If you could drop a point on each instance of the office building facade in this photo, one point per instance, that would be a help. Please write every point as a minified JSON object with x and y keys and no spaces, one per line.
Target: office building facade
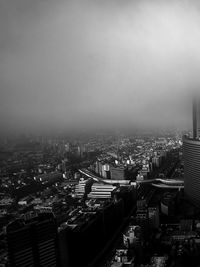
{"x":191,"y":152}
{"x":196,"y":118}
{"x":32,"y":241}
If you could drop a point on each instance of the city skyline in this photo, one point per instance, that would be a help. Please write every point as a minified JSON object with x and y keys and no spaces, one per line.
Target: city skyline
{"x":92,"y":65}
{"x":100,"y":133}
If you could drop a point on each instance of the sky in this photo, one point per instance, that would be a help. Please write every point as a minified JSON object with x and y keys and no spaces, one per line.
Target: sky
{"x":97,"y":64}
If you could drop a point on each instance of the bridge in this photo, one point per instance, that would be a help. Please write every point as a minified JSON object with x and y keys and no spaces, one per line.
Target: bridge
{"x":102,"y":180}
{"x":156,"y":182}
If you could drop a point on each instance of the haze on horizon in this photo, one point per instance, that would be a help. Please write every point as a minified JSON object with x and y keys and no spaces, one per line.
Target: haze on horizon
{"x":91,"y":64}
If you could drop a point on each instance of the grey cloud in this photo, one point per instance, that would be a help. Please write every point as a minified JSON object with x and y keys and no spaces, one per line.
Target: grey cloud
{"x":97,"y":63}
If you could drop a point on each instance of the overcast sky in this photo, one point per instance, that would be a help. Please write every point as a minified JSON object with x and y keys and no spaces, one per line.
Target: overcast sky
{"x":97,"y":63}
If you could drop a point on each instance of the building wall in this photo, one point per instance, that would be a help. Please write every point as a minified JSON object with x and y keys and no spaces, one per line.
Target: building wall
{"x":191,"y":152}
{"x":117,"y":173}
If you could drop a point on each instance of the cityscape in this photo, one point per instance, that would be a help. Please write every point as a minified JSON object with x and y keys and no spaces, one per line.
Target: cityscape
{"x":100,"y":133}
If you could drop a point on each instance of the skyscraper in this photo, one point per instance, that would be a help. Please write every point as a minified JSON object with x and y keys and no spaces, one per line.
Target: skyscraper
{"x":191,"y":152}
{"x":32,"y":241}
{"x":196,"y":119}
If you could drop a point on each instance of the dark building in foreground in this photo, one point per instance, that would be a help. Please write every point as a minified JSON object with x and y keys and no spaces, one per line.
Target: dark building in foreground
{"x":32,"y":241}
{"x":191,"y":152}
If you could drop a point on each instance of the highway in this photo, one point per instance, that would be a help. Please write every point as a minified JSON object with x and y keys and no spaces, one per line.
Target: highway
{"x":164,"y":183}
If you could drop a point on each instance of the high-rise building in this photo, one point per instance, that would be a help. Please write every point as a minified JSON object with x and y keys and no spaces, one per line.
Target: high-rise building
{"x":142,"y":218}
{"x":196,"y":119}
{"x":191,"y":152}
{"x":32,"y":241}
{"x":132,"y":236}
{"x":153,"y":215}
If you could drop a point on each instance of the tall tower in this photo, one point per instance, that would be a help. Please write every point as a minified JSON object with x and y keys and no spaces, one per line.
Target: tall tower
{"x":196,"y":119}
{"x":32,"y":241}
{"x":191,"y":153}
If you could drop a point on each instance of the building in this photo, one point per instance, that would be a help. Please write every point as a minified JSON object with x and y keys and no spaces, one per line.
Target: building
{"x":156,"y":161}
{"x":168,"y":203}
{"x":122,"y":258}
{"x":145,"y":170}
{"x":117,"y":173}
{"x":83,"y":187}
{"x":103,"y":191}
{"x":196,"y":119}
{"x":159,"y":261}
{"x":32,"y":240}
{"x":106,"y":171}
{"x":132,"y":236}
{"x":140,"y":177}
{"x":154,"y":219}
{"x":48,"y":177}
{"x":142,"y":218}
{"x":191,"y":154}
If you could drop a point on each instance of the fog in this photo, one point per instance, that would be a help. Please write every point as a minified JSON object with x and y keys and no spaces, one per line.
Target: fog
{"x":97,"y":64}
